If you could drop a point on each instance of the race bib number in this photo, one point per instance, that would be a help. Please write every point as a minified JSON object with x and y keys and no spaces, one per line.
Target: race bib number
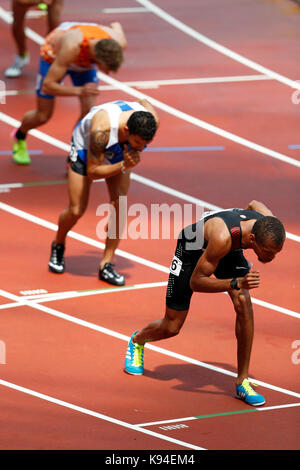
{"x":176,"y":266}
{"x":73,"y":153}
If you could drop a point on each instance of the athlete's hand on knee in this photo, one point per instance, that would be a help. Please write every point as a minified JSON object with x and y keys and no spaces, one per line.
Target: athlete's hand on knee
{"x":250,"y":281}
{"x":89,"y":89}
{"x":131,"y":157}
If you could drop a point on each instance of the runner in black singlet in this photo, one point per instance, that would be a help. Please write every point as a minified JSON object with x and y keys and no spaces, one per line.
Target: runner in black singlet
{"x":190,"y":247}
{"x":209,"y":258}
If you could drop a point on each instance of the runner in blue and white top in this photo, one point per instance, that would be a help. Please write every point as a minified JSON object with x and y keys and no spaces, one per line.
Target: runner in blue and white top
{"x":106,"y":143}
{"x":113,"y":152}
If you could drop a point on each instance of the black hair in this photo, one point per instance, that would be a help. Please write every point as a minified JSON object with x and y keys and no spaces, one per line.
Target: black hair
{"x":269,"y":228}
{"x":143,"y":124}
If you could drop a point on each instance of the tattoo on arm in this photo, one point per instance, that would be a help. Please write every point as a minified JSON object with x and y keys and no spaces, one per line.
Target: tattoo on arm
{"x":98,"y":143}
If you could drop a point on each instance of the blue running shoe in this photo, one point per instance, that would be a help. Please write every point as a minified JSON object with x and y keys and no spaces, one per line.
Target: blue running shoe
{"x":246,"y":393}
{"x":134,"y":361}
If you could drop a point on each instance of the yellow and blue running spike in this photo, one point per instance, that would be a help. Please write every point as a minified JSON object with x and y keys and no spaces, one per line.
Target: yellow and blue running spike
{"x":246,"y":393}
{"x":134,"y":361}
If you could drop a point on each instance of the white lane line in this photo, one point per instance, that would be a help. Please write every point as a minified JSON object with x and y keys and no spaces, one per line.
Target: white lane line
{"x":125,"y":10}
{"x":185,"y":197}
{"x":124,"y":254}
{"x":216,"y":46}
{"x":191,"y":418}
{"x":10,"y":305}
{"x":179,"y":114}
{"x":268,"y":408}
{"x":136,"y":177}
{"x":16,"y":92}
{"x":79,"y":237}
{"x":94,"y":11}
{"x":74,"y":294}
{"x":202,"y":124}
{"x":141,"y":179}
{"x":167,"y":421}
{"x":190,"y":81}
{"x":150,"y":84}
{"x":95,"y":414}
{"x":180,"y":357}
{"x":38,"y":134}
{"x":270,"y":306}
{"x":8,"y":186}
{"x":37,"y":298}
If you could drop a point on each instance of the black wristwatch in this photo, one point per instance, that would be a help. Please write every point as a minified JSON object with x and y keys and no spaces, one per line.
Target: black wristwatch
{"x":234,"y":284}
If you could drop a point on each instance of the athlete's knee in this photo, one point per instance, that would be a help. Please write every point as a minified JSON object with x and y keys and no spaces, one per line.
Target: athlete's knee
{"x":172,"y":328}
{"x":76,"y":211}
{"x":44,"y":115}
{"x":116,"y":200}
{"x":242,"y":303}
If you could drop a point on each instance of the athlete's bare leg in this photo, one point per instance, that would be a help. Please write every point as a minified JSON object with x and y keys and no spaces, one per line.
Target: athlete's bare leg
{"x":117,"y":186}
{"x":79,"y":190}
{"x":244,"y":331}
{"x":38,"y":116}
{"x":168,"y":326}
{"x":19,"y":12}
{"x":54,"y":11}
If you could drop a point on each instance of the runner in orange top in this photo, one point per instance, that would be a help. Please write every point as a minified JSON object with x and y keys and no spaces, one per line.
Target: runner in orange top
{"x":76,"y":49}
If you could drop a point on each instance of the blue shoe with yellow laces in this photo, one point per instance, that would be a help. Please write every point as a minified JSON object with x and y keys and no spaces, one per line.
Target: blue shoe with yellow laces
{"x":246,"y":393}
{"x":134,"y":361}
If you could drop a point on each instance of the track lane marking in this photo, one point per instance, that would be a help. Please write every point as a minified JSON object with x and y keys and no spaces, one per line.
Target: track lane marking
{"x":148,"y":84}
{"x":166,"y":352}
{"x":2,"y":381}
{"x":216,"y":46}
{"x":134,"y":176}
{"x":63,"y":295}
{"x":96,"y":414}
{"x":124,"y":254}
{"x":200,"y":123}
{"x":51,"y":140}
{"x":215,"y":415}
{"x":173,"y":111}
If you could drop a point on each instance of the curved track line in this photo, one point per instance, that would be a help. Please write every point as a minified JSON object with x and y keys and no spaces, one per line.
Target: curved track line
{"x":216,"y":46}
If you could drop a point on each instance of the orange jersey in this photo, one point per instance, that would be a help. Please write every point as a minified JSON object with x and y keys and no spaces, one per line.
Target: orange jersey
{"x":89,"y":31}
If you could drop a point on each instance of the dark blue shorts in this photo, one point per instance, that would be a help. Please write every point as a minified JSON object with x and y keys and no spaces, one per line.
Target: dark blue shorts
{"x":77,"y":159}
{"x":78,"y":78}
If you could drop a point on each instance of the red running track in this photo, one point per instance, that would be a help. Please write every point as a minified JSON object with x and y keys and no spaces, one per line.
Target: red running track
{"x":71,"y":351}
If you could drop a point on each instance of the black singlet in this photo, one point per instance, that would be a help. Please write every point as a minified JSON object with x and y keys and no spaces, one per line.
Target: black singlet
{"x":190,"y":247}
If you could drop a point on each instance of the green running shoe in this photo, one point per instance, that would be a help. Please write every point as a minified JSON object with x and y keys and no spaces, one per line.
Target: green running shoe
{"x":20,"y":154}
